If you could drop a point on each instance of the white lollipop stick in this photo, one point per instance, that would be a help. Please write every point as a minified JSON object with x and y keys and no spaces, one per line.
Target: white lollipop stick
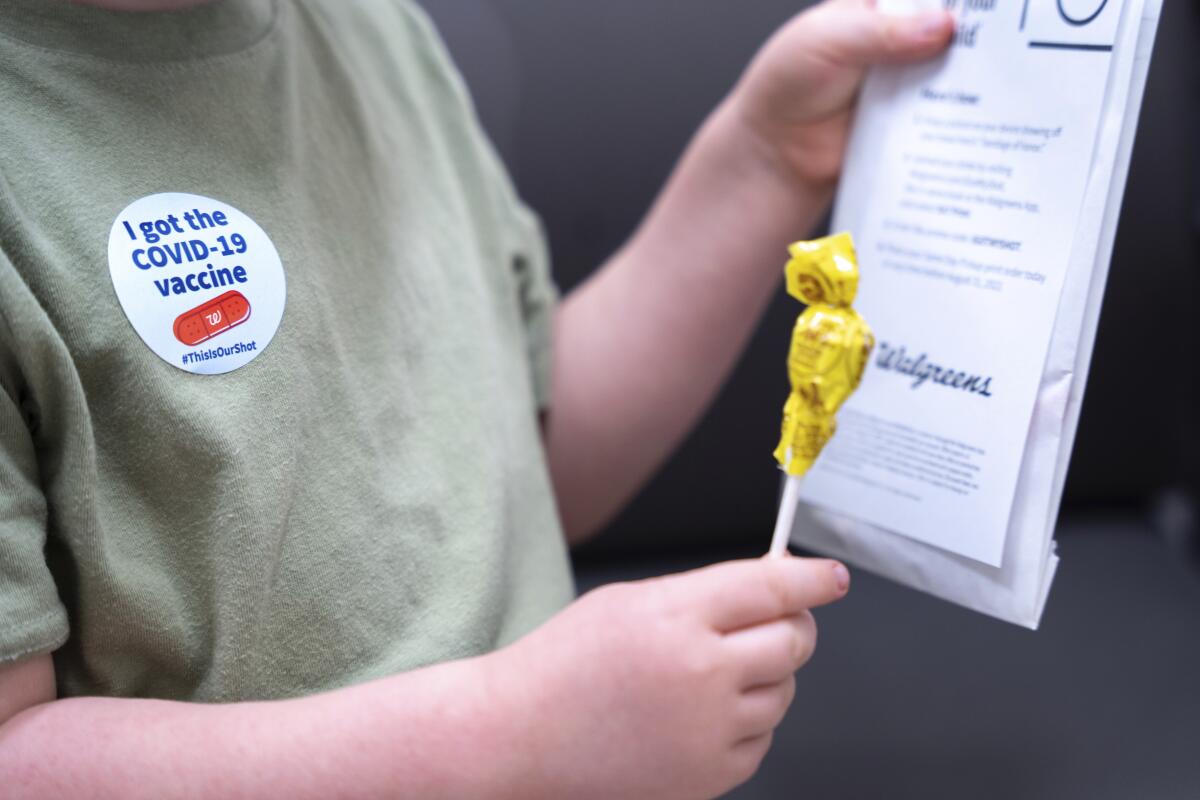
{"x":787,"y":516}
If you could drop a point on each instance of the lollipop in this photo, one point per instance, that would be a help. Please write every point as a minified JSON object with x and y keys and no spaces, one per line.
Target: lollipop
{"x":830,"y":347}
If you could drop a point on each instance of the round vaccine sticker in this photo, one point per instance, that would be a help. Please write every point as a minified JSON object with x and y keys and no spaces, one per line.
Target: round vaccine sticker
{"x":200,"y":281}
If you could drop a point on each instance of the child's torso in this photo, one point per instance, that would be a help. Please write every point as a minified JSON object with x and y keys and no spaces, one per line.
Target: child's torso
{"x":367,"y":494}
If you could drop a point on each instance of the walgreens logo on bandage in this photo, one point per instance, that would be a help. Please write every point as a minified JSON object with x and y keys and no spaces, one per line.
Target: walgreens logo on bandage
{"x":188,"y":269}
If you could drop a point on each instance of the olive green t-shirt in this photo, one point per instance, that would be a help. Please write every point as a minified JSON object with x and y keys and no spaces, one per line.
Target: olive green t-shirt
{"x":369,"y":493}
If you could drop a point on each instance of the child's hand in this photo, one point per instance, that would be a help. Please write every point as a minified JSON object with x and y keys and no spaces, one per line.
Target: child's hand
{"x":797,"y":97}
{"x":668,"y":688}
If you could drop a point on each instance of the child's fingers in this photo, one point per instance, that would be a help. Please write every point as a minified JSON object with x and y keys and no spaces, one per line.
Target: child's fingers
{"x":855,"y":34}
{"x":761,"y":710}
{"x":749,"y":753}
{"x":740,"y":594}
{"x":768,"y":654}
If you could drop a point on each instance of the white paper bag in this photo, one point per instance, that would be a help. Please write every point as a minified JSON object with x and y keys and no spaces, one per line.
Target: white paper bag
{"x":1014,"y":587}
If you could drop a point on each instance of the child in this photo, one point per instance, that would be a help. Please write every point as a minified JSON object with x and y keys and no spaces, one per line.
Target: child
{"x":284,"y":441}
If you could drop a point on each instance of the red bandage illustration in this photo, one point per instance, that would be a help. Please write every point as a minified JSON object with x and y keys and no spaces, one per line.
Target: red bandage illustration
{"x":214,"y":317}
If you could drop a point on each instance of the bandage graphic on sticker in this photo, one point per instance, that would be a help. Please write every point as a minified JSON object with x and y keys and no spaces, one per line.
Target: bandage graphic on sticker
{"x":212,"y":318}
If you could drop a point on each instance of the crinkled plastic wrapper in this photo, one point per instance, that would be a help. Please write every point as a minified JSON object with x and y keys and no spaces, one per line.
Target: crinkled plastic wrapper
{"x":830,"y":347}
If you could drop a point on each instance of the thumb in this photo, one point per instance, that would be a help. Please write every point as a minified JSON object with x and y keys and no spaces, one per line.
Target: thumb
{"x":740,"y":594}
{"x":855,"y":34}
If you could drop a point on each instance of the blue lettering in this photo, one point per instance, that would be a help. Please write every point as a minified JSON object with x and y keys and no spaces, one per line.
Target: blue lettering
{"x":148,"y":233}
{"x":921,"y":370}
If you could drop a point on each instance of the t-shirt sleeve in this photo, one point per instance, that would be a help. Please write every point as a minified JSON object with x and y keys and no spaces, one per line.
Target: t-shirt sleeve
{"x":528,"y":252}
{"x":538,"y":297}
{"x":32,"y":618}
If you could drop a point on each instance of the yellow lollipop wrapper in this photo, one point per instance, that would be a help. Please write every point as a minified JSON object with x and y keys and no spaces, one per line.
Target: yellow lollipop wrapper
{"x":831,"y":345}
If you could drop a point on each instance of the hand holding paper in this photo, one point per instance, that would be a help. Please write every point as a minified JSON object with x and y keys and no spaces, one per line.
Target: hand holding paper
{"x":798,"y":96}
